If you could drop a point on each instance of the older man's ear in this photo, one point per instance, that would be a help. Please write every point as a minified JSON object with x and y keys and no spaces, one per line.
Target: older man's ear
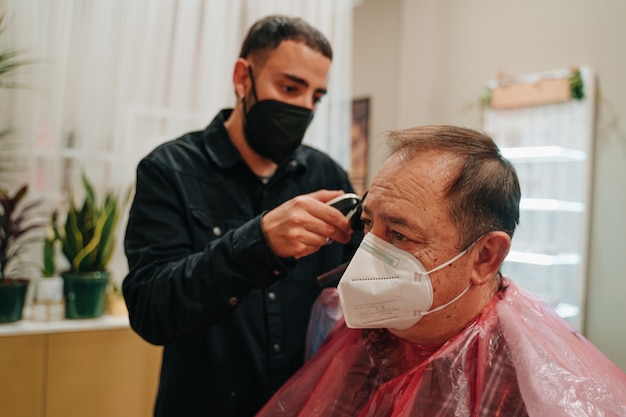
{"x":490,"y":252}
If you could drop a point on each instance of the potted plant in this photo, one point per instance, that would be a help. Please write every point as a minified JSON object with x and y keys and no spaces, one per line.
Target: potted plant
{"x":87,"y":240}
{"x":49,"y":285}
{"x":16,"y":221}
{"x":16,"y":224}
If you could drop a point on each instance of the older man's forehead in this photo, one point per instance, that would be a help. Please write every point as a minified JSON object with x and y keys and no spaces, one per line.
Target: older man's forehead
{"x":388,"y":205}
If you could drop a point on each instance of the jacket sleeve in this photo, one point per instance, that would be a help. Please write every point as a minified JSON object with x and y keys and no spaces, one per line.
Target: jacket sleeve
{"x":173,"y":291}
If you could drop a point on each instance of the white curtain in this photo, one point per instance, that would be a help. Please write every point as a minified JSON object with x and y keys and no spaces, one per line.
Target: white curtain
{"x":111,"y":79}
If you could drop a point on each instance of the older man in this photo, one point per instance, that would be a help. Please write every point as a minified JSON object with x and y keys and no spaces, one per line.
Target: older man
{"x":433,"y":329}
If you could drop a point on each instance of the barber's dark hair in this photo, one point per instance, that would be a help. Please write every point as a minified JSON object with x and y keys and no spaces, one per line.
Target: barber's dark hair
{"x":485,"y":194}
{"x":266,"y":34}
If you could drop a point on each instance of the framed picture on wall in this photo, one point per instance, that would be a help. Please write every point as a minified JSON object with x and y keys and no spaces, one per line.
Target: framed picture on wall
{"x":360,"y":136}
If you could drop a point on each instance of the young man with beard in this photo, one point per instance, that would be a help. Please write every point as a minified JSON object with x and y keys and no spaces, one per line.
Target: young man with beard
{"x":229,"y":229}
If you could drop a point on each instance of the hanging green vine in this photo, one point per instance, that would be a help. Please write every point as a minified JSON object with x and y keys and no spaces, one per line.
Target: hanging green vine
{"x":576,"y":85}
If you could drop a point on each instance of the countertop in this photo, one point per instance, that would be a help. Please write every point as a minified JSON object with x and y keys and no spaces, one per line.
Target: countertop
{"x":27,"y":326}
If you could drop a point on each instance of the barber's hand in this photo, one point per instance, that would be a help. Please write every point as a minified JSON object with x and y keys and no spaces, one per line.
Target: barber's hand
{"x":305,"y":223}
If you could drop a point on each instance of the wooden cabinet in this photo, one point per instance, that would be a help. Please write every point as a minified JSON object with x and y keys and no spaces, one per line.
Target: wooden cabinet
{"x":22,"y":372}
{"x":100,"y":373}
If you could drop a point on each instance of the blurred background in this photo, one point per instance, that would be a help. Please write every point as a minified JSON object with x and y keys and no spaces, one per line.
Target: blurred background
{"x":107,"y":81}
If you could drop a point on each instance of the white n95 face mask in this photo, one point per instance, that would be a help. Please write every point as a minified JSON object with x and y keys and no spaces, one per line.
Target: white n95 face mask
{"x":386,"y":287}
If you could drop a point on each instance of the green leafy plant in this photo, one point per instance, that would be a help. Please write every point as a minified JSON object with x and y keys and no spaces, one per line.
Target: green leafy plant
{"x":576,"y":85}
{"x":18,"y":220}
{"x":48,"y":266}
{"x":10,"y":61}
{"x":88,"y":234}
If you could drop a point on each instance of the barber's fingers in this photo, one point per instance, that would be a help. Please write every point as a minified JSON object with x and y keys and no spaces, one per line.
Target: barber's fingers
{"x":303,"y":224}
{"x":311,"y":212}
{"x":297,"y":243}
{"x":297,"y":234}
{"x":329,"y":215}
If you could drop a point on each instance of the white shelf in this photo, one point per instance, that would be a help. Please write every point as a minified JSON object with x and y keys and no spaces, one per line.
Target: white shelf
{"x":549,"y":204}
{"x":542,"y":153}
{"x":567,"y":310}
{"x":543,"y":259}
{"x":25,"y":327}
{"x":551,"y":146}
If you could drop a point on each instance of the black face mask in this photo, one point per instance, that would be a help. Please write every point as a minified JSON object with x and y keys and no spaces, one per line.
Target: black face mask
{"x":275,"y":129}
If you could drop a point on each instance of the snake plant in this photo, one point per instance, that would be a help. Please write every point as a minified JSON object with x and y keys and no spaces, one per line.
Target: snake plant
{"x":88,"y":235}
{"x":48,"y":266}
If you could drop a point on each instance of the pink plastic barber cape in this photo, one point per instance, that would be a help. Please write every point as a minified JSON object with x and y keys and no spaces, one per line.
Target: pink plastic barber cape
{"x":518,"y":358}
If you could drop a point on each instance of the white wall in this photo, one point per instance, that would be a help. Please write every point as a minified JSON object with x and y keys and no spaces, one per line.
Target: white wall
{"x":375,"y":69}
{"x":427,"y":61}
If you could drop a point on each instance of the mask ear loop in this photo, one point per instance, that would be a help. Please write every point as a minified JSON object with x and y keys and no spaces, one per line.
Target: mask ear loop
{"x":256,"y":99}
{"x":441,"y":307}
{"x":443,"y":265}
{"x":243,"y":98}
{"x":463,"y":252}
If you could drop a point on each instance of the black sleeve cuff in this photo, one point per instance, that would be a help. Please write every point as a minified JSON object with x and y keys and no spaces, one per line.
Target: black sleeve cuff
{"x":262,"y":266}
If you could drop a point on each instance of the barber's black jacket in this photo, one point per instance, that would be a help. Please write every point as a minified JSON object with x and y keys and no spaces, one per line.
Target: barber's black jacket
{"x":203,"y":281}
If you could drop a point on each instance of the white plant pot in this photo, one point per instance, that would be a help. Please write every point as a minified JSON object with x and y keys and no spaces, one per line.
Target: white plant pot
{"x":49,"y":289}
{"x":48,"y":305}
